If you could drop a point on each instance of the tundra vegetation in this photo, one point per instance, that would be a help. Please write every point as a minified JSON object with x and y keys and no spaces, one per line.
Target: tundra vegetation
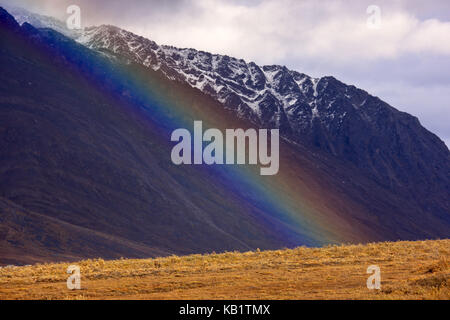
{"x":409,"y":270}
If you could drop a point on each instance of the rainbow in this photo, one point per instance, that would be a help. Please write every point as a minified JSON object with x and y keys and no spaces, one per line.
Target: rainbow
{"x":287,"y":196}
{"x":294,"y":201}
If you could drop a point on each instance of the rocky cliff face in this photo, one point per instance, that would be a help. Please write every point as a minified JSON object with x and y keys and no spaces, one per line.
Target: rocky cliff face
{"x":388,"y":145}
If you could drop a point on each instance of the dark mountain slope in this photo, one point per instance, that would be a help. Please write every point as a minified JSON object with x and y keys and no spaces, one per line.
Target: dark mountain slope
{"x":78,"y":156}
{"x":389,"y":146}
{"x":86,"y":173}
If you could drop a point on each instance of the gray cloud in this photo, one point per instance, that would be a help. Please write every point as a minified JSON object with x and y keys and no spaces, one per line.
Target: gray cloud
{"x":404,"y":62}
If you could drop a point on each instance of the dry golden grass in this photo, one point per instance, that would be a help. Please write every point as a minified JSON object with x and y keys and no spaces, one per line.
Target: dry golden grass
{"x":409,"y":270}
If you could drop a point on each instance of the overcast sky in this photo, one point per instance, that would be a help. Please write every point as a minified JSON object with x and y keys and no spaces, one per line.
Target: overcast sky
{"x":405,"y":60}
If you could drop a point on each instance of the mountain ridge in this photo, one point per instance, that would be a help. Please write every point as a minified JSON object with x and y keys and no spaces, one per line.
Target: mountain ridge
{"x":322,"y":112}
{"x":70,"y":152}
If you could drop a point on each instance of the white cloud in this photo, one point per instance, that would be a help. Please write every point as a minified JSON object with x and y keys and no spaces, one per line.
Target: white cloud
{"x":334,"y":30}
{"x":431,"y":36}
{"x":274,"y":30}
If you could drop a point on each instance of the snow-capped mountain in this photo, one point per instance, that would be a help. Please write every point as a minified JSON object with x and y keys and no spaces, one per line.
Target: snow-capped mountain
{"x":322,"y":112}
{"x":268,"y":95}
{"x":271,"y":96}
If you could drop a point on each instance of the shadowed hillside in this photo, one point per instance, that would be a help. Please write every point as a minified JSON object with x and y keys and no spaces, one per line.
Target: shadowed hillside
{"x":86,"y":172}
